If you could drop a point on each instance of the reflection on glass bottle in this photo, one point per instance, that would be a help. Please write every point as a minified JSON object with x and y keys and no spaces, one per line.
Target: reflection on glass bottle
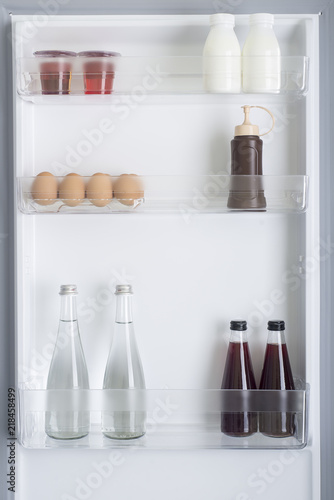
{"x":66,"y":419}
{"x":277,"y":375}
{"x":124,"y":371}
{"x":238,"y":374}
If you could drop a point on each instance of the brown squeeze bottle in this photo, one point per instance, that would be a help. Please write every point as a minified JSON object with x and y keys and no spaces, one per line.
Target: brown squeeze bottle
{"x":277,"y":375}
{"x":238,"y":374}
{"x":246,"y":188}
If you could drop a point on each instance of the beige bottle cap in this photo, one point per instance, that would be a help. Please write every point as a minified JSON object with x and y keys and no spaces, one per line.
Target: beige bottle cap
{"x":247,"y":128}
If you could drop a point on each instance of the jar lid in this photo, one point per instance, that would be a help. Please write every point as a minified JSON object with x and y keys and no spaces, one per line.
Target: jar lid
{"x":222,"y":19}
{"x":54,"y":53}
{"x":98,"y":53}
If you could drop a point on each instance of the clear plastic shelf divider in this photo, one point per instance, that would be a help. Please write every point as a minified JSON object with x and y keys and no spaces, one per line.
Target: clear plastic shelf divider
{"x":176,"y":418}
{"x":157,"y":75}
{"x":181,"y":194}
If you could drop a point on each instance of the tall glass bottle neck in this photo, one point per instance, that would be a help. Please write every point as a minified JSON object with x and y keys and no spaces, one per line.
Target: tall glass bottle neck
{"x":68,"y":308}
{"x":238,"y":336}
{"x":276,"y":337}
{"x":124,"y":308}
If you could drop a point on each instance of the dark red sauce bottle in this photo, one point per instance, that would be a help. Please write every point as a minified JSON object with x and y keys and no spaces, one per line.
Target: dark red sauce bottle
{"x":277,"y":375}
{"x":238,"y":374}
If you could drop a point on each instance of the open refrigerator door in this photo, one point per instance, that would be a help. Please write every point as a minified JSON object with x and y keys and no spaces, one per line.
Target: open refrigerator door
{"x":162,"y":221}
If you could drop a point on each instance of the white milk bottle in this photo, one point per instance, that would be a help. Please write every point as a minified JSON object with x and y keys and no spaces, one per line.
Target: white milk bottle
{"x":261,"y":56}
{"x":222,"y":56}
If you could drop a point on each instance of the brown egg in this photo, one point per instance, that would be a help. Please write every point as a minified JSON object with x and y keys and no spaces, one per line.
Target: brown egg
{"x":72,"y":190}
{"x":128,"y":188}
{"x":45,"y":188}
{"x":99,"y":189}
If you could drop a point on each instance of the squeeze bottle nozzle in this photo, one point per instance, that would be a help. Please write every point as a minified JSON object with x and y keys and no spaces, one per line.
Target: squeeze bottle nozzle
{"x":247,"y":128}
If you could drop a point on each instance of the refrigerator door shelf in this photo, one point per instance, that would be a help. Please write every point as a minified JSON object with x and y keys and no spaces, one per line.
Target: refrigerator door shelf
{"x":175,"y":419}
{"x":177,"y":194}
{"x":150,"y":75}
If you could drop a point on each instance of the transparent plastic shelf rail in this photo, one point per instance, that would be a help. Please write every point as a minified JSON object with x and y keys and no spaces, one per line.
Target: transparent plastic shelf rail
{"x":144,"y":75}
{"x":182,"y":194}
{"x":174,"y":418}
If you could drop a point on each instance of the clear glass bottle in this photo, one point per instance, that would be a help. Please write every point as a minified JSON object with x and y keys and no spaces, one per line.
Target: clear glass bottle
{"x":277,"y":375}
{"x":68,"y":370}
{"x":238,"y":374}
{"x":124,"y":371}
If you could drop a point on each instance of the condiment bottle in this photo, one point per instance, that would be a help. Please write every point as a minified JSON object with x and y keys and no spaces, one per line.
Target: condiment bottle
{"x":246,"y":188}
{"x":261,"y":61}
{"x":277,"y":375}
{"x":238,"y":374}
{"x":222,"y":56}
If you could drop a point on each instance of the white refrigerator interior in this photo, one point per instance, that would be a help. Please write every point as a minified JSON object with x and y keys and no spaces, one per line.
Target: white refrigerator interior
{"x":193,"y":265}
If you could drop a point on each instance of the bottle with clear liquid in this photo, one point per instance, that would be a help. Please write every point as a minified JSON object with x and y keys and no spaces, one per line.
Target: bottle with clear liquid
{"x":68,"y":370}
{"x":238,"y":374}
{"x":277,"y":375}
{"x":124,"y":371}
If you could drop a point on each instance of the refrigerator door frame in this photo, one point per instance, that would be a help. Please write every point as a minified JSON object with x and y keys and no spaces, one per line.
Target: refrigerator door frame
{"x":7,"y":357}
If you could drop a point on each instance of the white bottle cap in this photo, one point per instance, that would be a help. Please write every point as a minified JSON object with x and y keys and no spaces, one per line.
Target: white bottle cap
{"x":261,"y":18}
{"x":222,"y":19}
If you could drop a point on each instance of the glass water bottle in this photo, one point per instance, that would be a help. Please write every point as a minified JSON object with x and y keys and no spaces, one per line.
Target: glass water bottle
{"x":277,"y":375}
{"x":238,"y":374}
{"x":66,"y":419}
{"x":124,"y":371}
